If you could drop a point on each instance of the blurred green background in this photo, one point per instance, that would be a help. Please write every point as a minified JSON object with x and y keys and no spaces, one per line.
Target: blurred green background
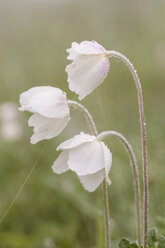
{"x":55,"y":211}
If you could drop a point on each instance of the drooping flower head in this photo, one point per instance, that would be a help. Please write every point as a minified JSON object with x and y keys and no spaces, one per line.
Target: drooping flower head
{"x":88,"y":157}
{"x":50,"y":111}
{"x":89,"y":67}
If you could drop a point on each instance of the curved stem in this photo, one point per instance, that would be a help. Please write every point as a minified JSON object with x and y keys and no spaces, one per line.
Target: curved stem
{"x":105,"y":190}
{"x":87,"y":115}
{"x":135,"y":177}
{"x":143,"y":140}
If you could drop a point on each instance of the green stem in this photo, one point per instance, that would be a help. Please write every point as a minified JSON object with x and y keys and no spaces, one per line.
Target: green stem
{"x":106,"y":215}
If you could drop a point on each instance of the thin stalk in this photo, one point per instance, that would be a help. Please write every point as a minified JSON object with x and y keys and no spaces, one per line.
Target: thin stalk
{"x":106,"y":215}
{"x":105,"y":190}
{"x":135,"y":177}
{"x":143,"y":141}
{"x":87,"y":115}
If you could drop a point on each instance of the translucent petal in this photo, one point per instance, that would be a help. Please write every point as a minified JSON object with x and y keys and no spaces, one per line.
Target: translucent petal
{"x":60,"y":165}
{"x":86,"y":73}
{"x":46,"y":128}
{"x":72,"y":52}
{"x":107,"y":158}
{"x":86,"y":48}
{"x":87,"y":158}
{"x":92,"y":181}
{"x":51,"y":104}
{"x":77,"y":140}
{"x":27,"y":95}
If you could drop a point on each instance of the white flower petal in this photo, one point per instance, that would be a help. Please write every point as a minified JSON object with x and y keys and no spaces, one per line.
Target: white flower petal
{"x":89,"y":67}
{"x":75,"y":141}
{"x":72,"y":52}
{"x":86,"y":73}
{"x":87,"y":158}
{"x":107,"y":158}
{"x":46,"y":128}
{"x":85,"y":47}
{"x":51,"y":104}
{"x":60,"y":165}
{"x":27,"y":95}
{"x":92,"y":181}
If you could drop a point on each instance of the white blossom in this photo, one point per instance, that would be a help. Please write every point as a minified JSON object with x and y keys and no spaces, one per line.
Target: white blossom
{"x":50,"y":111}
{"x":89,"y":67}
{"x":88,"y":157}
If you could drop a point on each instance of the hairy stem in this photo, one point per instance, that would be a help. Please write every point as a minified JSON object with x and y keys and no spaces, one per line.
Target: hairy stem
{"x":105,"y":190}
{"x":143,"y":141}
{"x":106,"y":215}
{"x":87,"y":115}
{"x":135,"y":177}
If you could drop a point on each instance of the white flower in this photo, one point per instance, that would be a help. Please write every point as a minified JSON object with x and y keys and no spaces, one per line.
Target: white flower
{"x":89,"y":158}
{"x":89,"y":67}
{"x":50,"y":111}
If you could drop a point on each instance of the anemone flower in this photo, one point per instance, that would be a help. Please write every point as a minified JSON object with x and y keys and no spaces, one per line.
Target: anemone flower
{"x":50,"y":111}
{"x":88,"y":157}
{"x":89,"y":67}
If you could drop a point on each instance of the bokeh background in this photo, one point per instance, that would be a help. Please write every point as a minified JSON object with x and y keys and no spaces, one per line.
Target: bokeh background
{"x":55,"y":211}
